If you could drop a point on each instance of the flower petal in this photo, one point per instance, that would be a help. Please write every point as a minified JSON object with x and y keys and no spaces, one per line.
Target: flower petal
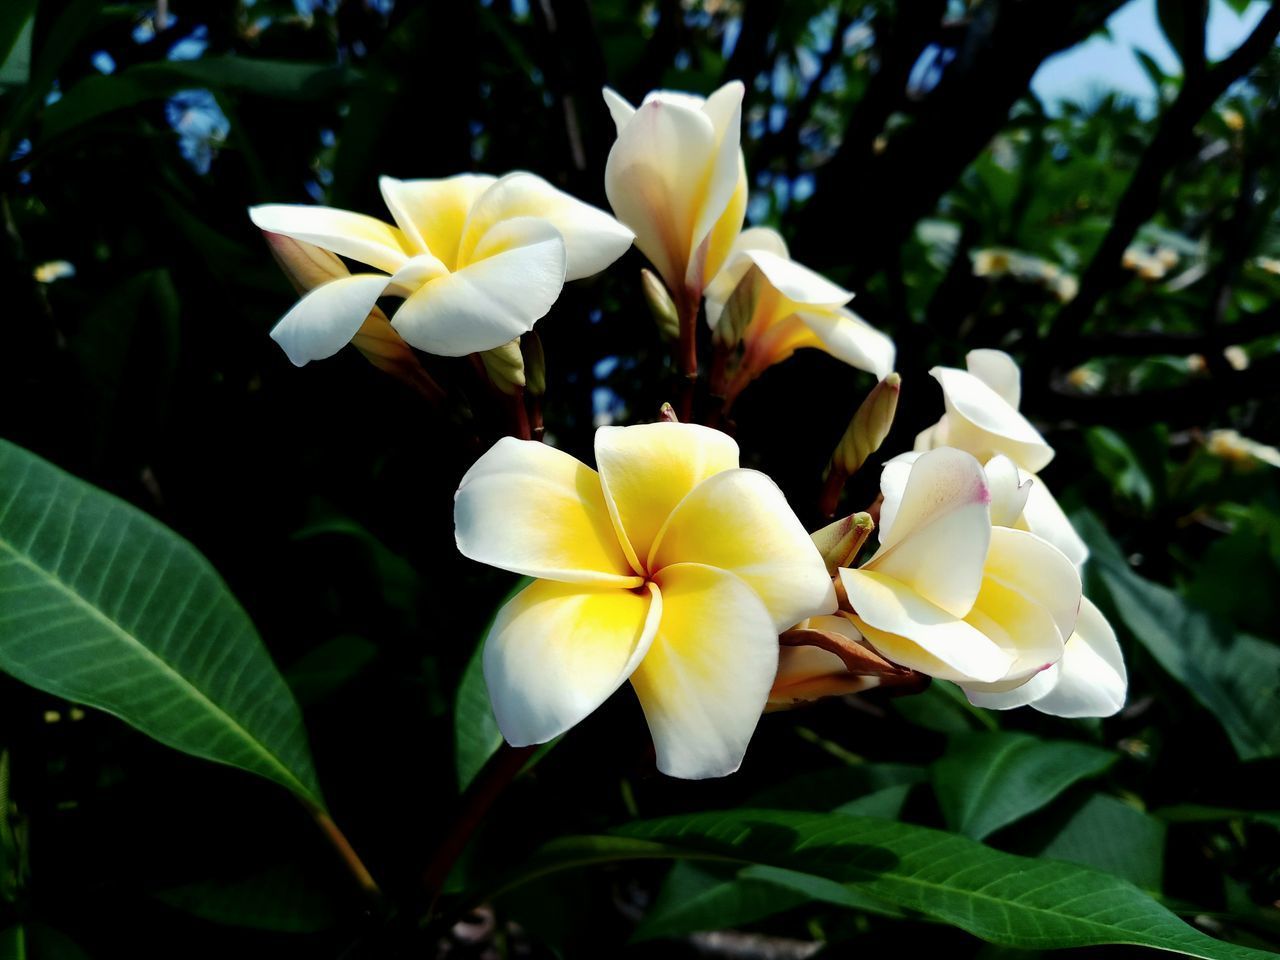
{"x":647,"y":469}
{"x":619,"y":108}
{"x":654,"y":181}
{"x":724,"y":108}
{"x":706,"y":677}
{"x":893,"y":484}
{"x":492,"y":301}
{"x":796,"y":282}
{"x":983,"y":423}
{"x":592,"y":238}
{"x":937,"y":542}
{"x":1021,"y":627}
{"x":325,"y":319}
{"x":1092,"y":681}
{"x":846,"y":336}
{"x":529,"y":508}
{"x":432,"y":213}
{"x":1009,"y":491}
{"x":347,"y":234}
{"x":997,"y":370}
{"x":909,"y":630}
{"x":740,"y":521}
{"x":1019,"y":696}
{"x":720,"y":239}
{"x":1044,"y":517}
{"x":557,"y":651}
{"x":1038,"y":570}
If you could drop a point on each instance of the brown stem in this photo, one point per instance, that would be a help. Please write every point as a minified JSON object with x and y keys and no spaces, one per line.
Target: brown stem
{"x":347,"y":853}
{"x":501,"y":769}
{"x":521,"y":414}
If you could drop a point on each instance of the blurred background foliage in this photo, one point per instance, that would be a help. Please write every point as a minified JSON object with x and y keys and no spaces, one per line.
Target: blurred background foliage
{"x":1126,"y":249}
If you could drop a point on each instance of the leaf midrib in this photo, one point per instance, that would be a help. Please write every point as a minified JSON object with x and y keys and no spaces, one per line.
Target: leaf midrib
{"x":215,"y":709}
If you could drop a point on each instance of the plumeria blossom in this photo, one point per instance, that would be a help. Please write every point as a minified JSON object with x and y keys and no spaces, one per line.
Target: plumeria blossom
{"x":957,"y":592}
{"x":982,"y":419}
{"x":779,"y":306}
{"x":671,"y":567}
{"x":676,"y":177}
{"x":478,"y":260}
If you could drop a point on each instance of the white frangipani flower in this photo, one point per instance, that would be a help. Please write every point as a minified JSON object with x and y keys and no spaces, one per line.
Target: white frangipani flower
{"x":477,"y":259}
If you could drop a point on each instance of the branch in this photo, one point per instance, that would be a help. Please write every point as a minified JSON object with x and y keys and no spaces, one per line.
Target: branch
{"x":1172,"y":139}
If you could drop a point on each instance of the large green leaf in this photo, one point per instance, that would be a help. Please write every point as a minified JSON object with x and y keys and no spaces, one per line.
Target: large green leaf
{"x":1234,"y":675}
{"x":1000,"y":897}
{"x":988,"y":780}
{"x":284,"y":898}
{"x":1110,"y":835}
{"x":105,"y":606}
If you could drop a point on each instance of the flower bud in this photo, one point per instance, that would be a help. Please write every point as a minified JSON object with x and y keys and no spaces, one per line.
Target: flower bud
{"x":869,"y":426}
{"x":840,"y":542}
{"x":307,"y":266}
{"x":667,"y":414}
{"x":505,"y":366}
{"x":660,"y":304}
{"x":535,"y":363}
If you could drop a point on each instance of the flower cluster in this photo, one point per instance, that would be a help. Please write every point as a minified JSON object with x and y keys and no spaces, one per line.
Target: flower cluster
{"x":669,"y":566}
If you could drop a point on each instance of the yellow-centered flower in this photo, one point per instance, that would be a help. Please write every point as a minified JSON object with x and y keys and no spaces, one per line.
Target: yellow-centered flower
{"x":477,"y":259}
{"x":671,"y":567}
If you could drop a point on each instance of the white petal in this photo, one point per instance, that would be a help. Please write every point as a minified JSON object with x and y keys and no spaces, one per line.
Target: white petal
{"x":1020,"y":626}
{"x":724,"y":108}
{"x":1035,"y":688}
{"x":1044,"y":517}
{"x":931,"y":437}
{"x":529,"y":508}
{"x":983,"y":423}
{"x":492,"y":301}
{"x":649,"y":468}
{"x":1009,"y":491}
{"x":432,"y":213}
{"x":654,"y":181}
{"x":325,"y":320}
{"x":592,"y":238}
{"x":557,"y":651}
{"x":907,"y":629}
{"x":619,"y":108}
{"x":347,"y":234}
{"x":706,"y":677}
{"x":937,"y":542}
{"x":738,"y":520}
{"x":1038,"y":570}
{"x":1092,"y":681}
{"x":997,"y":370}
{"x":893,"y":484}
{"x":846,"y":336}
{"x":736,"y":265}
{"x":761,"y":238}
{"x":798,"y":283}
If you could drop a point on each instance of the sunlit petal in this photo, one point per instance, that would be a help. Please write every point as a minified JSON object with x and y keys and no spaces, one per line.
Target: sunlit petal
{"x":325,"y":320}
{"x":556,"y":651}
{"x":739,"y":520}
{"x":1038,"y":570}
{"x":846,"y":336}
{"x":982,"y":422}
{"x":493,"y":300}
{"x":706,"y":677}
{"x":1009,"y":491}
{"x":619,"y":108}
{"x":1044,"y":517}
{"x":432,"y":212}
{"x":1092,"y":681}
{"x":529,"y":508}
{"x":649,"y":468}
{"x":997,"y":370}
{"x":342,"y":232}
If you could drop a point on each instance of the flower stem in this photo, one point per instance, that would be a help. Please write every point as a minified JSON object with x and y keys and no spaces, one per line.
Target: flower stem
{"x":501,"y":769}
{"x":347,"y":853}
{"x":687,"y":355}
{"x":831,"y":490}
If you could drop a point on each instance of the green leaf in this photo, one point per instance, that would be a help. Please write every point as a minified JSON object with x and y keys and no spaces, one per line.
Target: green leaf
{"x":1118,"y":462}
{"x":97,"y":96}
{"x":943,"y":709}
{"x":1195,"y":813}
{"x":698,"y":897}
{"x":317,"y":674}
{"x":475,"y":729}
{"x":17,"y":25}
{"x":105,"y":606}
{"x":283,"y":898}
{"x":35,"y":941}
{"x":1235,"y":676}
{"x":827,"y":789}
{"x":999,"y":897}
{"x":986,"y":781}
{"x":1110,"y":835}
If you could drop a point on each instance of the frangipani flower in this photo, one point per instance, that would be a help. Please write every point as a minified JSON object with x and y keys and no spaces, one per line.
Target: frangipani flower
{"x":671,"y":567}
{"x":1063,"y":662}
{"x":676,"y":177}
{"x":952,"y":596}
{"x":786,"y":307}
{"x":478,"y":260}
{"x":982,"y":419}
